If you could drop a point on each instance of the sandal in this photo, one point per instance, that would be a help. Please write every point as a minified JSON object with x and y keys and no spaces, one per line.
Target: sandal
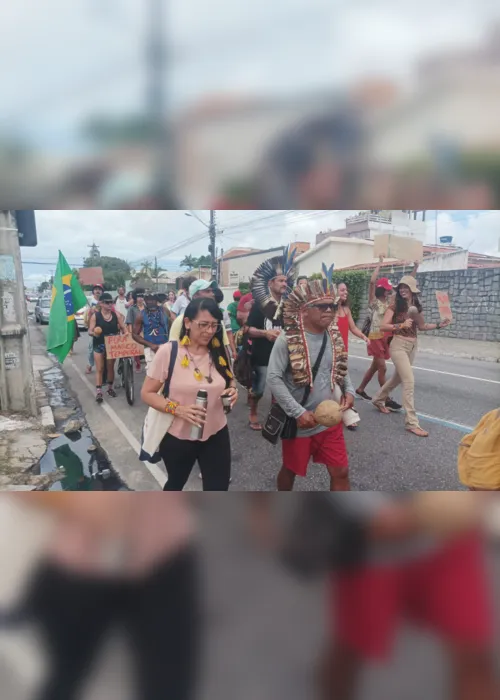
{"x":98,"y":396}
{"x":382,"y":409}
{"x":419,"y":432}
{"x":111,"y":392}
{"x":88,"y":369}
{"x":255,"y":426}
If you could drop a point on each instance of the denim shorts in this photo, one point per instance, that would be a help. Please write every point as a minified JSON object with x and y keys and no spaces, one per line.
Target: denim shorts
{"x":259,"y":381}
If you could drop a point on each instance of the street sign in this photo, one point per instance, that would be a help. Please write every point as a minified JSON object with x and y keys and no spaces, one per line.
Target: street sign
{"x":26,"y":226}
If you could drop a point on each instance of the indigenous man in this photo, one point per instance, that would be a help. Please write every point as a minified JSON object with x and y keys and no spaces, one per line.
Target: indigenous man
{"x":269,"y":284}
{"x":308,"y":365}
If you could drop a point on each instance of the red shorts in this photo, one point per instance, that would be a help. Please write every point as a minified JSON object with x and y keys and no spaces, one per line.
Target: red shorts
{"x":327,"y":447}
{"x":379,"y":348}
{"x":446,"y":591}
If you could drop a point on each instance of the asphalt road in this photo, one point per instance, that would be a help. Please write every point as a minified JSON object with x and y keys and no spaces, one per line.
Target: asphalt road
{"x":264,"y":630}
{"x":451,"y":393}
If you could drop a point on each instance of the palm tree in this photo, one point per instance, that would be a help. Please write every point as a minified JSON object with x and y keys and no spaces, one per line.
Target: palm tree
{"x":189,"y":262}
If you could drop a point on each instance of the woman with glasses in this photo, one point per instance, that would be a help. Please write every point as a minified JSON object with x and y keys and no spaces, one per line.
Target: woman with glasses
{"x":104,"y":323}
{"x":201,"y":363}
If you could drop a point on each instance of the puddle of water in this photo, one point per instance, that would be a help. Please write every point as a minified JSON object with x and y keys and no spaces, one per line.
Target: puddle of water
{"x":83,"y":470}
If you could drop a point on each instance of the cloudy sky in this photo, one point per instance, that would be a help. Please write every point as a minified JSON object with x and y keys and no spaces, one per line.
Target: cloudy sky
{"x":68,"y":61}
{"x":136,"y":235}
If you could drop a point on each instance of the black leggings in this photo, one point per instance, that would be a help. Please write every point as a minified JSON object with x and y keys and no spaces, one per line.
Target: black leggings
{"x":213,"y":455}
{"x":160,"y":615}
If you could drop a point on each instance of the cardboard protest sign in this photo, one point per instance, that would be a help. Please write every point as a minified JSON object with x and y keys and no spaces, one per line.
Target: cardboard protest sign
{"x":399,"y":247}
{"x":444,"y":307}
{"x":122,"y":346}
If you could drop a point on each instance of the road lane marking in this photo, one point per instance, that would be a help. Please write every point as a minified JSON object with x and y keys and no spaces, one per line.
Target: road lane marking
{"x":434,"y":419}
{"x":466,"y":429}
{"x":435,"y":371}
{"x":155,"y":471}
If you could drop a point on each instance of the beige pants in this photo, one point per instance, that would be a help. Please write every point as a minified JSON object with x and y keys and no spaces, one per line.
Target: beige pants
{"x":403,"y":351}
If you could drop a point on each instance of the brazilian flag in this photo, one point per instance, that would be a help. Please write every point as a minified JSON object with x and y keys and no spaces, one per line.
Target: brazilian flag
{"x":67,"y":297}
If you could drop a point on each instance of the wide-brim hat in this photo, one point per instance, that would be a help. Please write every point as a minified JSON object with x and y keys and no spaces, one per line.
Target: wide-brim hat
{"x":410,"y":282}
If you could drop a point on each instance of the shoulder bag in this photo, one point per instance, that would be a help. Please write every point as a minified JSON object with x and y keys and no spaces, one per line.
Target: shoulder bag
{"x":157,"y":424}
{"x":280,"y":425}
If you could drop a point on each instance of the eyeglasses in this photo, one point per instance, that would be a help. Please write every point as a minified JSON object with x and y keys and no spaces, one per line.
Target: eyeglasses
{"x":325,"y":307}
{"x":207,"y":326}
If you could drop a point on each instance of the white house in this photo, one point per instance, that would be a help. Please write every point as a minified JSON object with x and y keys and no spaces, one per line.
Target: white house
{"x":342,"y":252}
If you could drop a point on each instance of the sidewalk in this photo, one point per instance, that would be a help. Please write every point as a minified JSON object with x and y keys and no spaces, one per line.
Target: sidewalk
{"x":454,"y":347}
{"x":23,"y":440}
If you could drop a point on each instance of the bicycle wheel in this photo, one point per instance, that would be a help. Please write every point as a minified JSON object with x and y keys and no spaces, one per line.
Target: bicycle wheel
{"x":128,"y":381}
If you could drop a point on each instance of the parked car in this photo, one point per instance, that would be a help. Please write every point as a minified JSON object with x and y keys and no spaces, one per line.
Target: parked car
{"x":79,"y":316}
{"x":42,"y":310}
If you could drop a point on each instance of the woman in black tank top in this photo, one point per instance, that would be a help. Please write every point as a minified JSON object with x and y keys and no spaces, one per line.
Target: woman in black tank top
{"x":104,"y":323}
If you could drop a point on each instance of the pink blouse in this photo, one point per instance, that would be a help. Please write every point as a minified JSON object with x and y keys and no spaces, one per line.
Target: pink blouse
{"x":184,"y":388}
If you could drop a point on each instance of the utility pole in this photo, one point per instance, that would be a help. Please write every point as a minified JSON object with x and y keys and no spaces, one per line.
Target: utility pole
{"x":156,"y":273}
{"x":156,"y":63}
{"x":211,"y":247}
{"x":17,"y":393}
{"x":219,"y":266}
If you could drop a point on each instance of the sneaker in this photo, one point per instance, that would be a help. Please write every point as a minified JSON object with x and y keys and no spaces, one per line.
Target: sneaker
{"x":392,"y":405}
{"x":363,"y":395}
{"x":111,"y":392}
{"x":98,"y":396}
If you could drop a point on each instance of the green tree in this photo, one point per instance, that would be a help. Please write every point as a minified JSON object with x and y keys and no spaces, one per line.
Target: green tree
{"x":43,"y":287}
{"x":189,"y":262}
{"x":204,"y":261}
{"x":115,"y":270}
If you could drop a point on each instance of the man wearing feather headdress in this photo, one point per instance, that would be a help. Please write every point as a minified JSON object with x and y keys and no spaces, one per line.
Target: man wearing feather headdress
{"x":269,"y":284}
{"x":311,"y":344}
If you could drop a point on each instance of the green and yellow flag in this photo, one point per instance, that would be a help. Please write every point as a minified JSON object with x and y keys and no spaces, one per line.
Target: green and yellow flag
{"x":67,"y":297}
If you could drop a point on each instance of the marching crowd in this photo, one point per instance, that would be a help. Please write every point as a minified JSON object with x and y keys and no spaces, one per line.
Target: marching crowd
{"x":287,"y":336}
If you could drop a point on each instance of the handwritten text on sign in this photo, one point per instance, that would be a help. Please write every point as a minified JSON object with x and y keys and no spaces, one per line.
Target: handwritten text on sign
{"x":444,"y":307}
{"x":122,"y":346}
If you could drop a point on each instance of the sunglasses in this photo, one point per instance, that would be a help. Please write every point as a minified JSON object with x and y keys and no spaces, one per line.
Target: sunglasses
{"x":325,"y":307}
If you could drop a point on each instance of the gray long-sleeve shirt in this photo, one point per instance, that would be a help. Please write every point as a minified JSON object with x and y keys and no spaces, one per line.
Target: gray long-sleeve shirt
{"x":288,"y":394}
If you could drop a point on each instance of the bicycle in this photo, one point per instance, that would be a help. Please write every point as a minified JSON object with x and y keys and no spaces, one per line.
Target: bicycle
{"x":126,"y":373}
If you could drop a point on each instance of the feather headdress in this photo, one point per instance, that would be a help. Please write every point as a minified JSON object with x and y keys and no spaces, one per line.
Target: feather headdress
{"x":264,"y":275}
{"x":293,"y":309}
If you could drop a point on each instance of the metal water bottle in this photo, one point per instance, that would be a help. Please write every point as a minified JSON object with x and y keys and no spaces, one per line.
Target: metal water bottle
{"x":201,"y":400}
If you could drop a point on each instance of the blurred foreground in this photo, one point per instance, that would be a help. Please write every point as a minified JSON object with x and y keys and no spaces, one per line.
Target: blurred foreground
{"x":265,"y":629}
{"x":379,"y":104}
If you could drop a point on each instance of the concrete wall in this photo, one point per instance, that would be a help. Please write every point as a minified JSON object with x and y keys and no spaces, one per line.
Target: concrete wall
{"x":457,"y":260}
{"x":474,"y":297}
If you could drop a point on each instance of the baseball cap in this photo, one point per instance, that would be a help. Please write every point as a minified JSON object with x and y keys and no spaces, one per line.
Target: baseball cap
{"x":200,"y":286}
{"x":237,"y":295}
{"x":246,"y":299}
{"x":384,"y":283}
